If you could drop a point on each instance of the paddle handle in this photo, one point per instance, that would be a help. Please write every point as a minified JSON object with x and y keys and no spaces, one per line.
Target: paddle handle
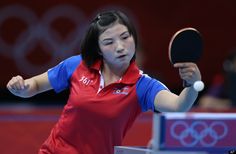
{"x":186,"y":84}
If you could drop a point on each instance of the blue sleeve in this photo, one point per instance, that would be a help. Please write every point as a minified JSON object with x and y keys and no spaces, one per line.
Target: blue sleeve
{"x":147,"y":88}
{"x":59,"y":76}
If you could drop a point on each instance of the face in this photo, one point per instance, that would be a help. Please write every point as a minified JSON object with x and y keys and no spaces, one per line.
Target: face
{"x":117,"y":46}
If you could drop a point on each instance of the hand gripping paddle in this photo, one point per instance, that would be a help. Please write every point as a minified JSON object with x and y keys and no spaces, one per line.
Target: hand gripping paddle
{"x":186,"y":45}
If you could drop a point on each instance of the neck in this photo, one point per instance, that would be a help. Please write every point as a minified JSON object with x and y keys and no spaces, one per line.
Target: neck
{"x":112,"y":74}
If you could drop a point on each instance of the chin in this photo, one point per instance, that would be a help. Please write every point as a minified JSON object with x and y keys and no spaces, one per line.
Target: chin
{"x":125,"y":64}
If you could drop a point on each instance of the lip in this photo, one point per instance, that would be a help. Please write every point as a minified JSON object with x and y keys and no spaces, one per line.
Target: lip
{"x":121,"y":56}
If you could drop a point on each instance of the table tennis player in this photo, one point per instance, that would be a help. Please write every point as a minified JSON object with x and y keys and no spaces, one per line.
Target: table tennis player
{"x":107,"y":90}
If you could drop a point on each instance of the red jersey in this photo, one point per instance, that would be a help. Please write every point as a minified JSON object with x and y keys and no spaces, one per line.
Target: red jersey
{"x":96,"y":118}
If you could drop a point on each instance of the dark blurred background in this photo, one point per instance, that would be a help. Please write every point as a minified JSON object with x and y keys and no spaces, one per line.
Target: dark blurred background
{"x":36,"y":35}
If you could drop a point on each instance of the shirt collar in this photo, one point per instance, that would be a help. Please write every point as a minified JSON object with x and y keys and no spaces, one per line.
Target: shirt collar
{"x":130,"y":76}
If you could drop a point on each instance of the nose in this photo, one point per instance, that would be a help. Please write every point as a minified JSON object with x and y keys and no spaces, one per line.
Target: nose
{"x":119,"y":46}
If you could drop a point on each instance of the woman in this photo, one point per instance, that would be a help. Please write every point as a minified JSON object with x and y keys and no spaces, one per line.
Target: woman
{"x":107,"y":90}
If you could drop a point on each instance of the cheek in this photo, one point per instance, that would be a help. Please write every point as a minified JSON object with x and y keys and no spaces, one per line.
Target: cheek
{"x":106,"y":51}
{"x":131,"y":44}
{"x":132,"y":47}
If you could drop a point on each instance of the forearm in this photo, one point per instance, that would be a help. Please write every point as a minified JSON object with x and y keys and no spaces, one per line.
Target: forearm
{"x":166,"y":101}
{"x":29,"y":87}
{"x":186,"y":99}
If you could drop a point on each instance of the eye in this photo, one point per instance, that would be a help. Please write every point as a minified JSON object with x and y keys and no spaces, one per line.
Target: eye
{"x":125,"y":36}
{"x":107,"y":42}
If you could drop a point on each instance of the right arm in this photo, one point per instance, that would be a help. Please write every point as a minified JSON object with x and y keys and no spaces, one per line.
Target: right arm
{"x":29,"y":87}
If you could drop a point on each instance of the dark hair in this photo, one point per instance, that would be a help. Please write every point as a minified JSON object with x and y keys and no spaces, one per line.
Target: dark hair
{"x":89,"y":47}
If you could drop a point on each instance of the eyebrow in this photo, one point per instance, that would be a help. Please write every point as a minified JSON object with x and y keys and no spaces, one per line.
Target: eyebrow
{"x":108,"y":39}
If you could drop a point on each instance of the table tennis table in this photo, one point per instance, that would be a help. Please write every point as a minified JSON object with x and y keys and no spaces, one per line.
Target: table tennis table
{"x":189,"y":133}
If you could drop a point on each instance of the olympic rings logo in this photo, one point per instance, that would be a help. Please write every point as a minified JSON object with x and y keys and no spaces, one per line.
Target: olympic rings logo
{"x":41,"y":32}
{"x":198,"y":133}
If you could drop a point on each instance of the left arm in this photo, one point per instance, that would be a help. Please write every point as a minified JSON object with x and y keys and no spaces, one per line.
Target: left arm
{"x":166,"y":101}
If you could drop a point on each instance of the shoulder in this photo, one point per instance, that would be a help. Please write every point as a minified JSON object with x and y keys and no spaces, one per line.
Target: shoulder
{"x":148,"y":84}
{"x":74,"y":60}
{"x":146,"y":80}
{"x":66,"y":67}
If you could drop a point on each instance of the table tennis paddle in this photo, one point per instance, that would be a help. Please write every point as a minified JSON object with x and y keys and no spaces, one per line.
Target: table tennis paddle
{"x":186,"y":45}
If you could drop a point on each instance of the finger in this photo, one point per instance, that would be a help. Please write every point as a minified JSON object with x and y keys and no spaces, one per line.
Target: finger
{"x":21,"y":82}
{"x":189,"y":74}
{"x":14,"y":83}
{"x":11,"y":87}
{"x":186,"y":72}
{"x":186,"y":77}
{"x":183,"y":65}
{"x":17,"y":83}
{"x":187,"y":69}
{"x":13,"y":91}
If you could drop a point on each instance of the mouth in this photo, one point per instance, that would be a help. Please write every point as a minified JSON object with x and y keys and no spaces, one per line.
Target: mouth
{"x":121,"y":56}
